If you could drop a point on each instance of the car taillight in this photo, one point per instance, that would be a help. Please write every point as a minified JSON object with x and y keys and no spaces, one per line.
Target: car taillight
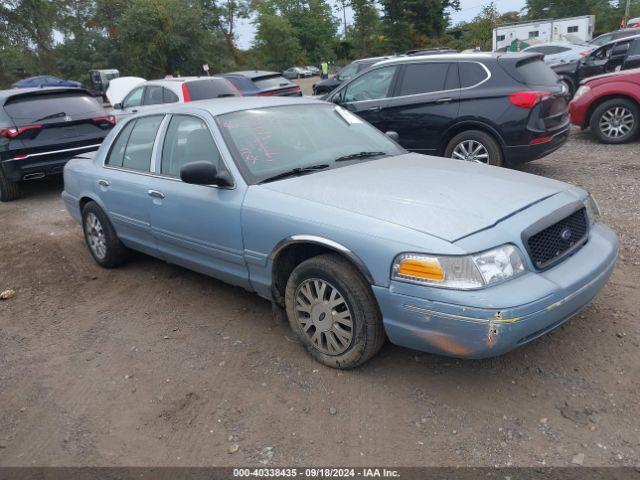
{"x":585,"y":53}
{"x":528,"y":99}
{"x":266,"y":94}
{"x":104,"y":121}
{"x":14,"y":132}
{"x":185,"y":93}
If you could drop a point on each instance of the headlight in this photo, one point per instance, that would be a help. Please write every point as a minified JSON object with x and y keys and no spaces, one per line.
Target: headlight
{"x":463,"y":273}
{"x":593,"y":211}
{"x":581,"y":91}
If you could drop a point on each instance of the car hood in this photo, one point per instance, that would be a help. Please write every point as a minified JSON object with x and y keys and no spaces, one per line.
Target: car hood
{"x":120,"y":87}
{"x":445,"y":198}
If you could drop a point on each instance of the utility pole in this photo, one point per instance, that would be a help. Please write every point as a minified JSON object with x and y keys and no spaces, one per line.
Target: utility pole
{"x":626,"y":13}
{"x":344,"y":15}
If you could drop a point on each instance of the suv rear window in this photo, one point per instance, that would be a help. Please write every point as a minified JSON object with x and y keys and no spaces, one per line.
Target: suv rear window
{"x":423,"y":78}
{"x":536,"y":73}
{"x":30,"y":108}
{"x":272,"y":81}
{"x":210,"y":88}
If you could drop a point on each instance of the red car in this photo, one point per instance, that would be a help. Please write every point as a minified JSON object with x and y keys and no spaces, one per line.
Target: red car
{"x":609,"y":105}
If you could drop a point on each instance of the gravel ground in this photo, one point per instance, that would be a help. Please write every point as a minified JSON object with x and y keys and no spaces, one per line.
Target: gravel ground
{"x":151,"y":364}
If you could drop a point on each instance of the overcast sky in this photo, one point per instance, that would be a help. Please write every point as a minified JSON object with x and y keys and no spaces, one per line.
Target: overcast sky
{"x":468,"y":9}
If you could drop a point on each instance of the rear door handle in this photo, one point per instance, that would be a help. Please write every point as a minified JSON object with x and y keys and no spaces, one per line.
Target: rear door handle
{"x":156,"y":194}
{"x":444,"y":100}
{"x":103,"y":183}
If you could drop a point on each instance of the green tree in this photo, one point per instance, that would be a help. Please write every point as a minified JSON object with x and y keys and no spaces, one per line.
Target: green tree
{"x":276,"y":43}
{"x":479,"y":32}
{"x":221,"y":16}
{"x":367,"y":25}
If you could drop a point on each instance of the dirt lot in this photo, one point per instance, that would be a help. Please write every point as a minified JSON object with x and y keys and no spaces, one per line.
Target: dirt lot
{"x":151,"y":364}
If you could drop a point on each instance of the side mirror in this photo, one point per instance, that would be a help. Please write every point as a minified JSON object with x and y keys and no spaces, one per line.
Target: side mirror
{"x":393,"y":135}
{"x":118,"y":106}
{"x":204,"y":173}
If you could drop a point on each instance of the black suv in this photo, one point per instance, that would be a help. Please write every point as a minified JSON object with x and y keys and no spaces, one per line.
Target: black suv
{"x":348,"y":72}
{"x":622,"y":54}
{"x":499,"y":109}
{"x":42,"y":128}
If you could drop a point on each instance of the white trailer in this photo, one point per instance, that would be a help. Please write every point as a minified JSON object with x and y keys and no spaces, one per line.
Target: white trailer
{"x":540,"y":31}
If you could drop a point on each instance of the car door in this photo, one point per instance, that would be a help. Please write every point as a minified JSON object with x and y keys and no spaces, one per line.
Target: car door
{"x":618,"y":55}
{"x":368,"y":95}
{"x":196,"y":226}
{"x":124,"y":183}
{"x":632,"y":60}
{"x":131,"y":103}
{"x":425,"y":104}
{"x":595,"y":62}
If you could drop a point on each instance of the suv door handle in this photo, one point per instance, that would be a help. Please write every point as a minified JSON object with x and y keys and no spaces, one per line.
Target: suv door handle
{"x":103,"y":183}
{"x":444,"y":100}
{"x":374,"y":109}
{"x":156,"y":194}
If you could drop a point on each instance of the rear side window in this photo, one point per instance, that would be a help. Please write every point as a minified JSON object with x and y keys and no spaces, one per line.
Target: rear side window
{"x":472,"y":74}
{"x":423,"y":78}
{"x":25,"y":109}
{"x":213,"y":88}
{"x":537,"y":73}
{"x":132,"y":149}
{"x":153,"y":95}
{"x":272,"y":81}
{"x":169,"y":97}
{"x":635,"y":48}
{"x":187,"y":140}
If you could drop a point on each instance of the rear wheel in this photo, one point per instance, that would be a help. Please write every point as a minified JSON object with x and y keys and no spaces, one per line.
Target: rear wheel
{"x":616,"y":121}
{"x":333,"y":312}
{"x":474,"y":146}
{"x":104,"y":245}
{"x":8,"y":190}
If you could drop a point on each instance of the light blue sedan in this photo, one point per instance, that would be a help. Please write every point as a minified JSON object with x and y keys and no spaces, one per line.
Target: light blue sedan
{"x":353,"y":239}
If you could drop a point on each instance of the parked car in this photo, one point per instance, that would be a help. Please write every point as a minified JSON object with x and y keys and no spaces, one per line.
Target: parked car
{"x":173,"y":90}
{"x":466,"y":260}
{"x":297,"y":72}
{"x":621,"y":54}
{"x":42,"y":81}
{"x":612,"y":36}
{"x":354,"y":68}
{"x":41,"y":128}
{"x":560,"y":52}
{"x":498,"y":109}
{"x":610,"y":106}
{"x":315,"y":71}
{"x":263,"y":83}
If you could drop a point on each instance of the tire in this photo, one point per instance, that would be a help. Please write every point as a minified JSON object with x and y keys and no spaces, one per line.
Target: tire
{"x":470,"y":139}
{"x":357,"y":307}
{"x":110,"y":252}
{"x":9,"y":190}
{"x":611,"y":111}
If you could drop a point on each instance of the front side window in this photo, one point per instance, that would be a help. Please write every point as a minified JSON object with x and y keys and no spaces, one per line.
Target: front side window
{"x":187,"y":140}
{"x":134,"y":99}
{"x":370,"y":86}
{"x":137,"y":154}
{"x":423,"y":78}
{"x":347,"y":72}
{"x":269,"y":141}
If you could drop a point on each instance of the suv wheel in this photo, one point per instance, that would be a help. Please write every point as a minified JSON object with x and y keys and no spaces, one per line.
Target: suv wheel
{"x":616,"y":121}
{"x":333,"y":312}
{"x":104,"y":245}
{"x":8,"y":190}
{"x":474,"y":146}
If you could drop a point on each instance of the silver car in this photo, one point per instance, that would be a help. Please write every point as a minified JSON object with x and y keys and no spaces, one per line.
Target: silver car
{"x":297,"y":72}
{"x":560,"y":52}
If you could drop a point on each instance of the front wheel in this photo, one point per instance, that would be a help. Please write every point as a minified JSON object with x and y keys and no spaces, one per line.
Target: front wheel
{"x":616,"y":121}
{"x":474,"y":146}
{"x":104,"y":245}
{"x":333,"y":312}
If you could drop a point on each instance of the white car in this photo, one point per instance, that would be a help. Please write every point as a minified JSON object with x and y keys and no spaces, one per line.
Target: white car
{"x":560,"y":52}
{"x":147,"y":94}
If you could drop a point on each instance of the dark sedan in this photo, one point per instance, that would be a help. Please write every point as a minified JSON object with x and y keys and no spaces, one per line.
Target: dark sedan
{"x":262,"y":83}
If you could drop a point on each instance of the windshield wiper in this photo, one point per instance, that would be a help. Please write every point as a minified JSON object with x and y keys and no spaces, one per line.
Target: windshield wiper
{"x":356,"y":156}
{"x":294,"y":172}
{"x":53,"y":115}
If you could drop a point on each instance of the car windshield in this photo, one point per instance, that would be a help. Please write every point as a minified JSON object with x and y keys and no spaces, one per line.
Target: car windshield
{"x":267,"y":142}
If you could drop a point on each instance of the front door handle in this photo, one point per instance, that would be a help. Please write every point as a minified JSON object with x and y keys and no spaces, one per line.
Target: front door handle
{"x":156,"y":194}
{"x":375,"y":109}
{"x":444,"y":100}
{"x":135,"y":110}
{"x":103,"y":183}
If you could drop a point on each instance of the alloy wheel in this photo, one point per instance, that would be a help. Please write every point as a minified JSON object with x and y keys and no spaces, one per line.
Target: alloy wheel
{"x":471,"y":151}
{"x":95,"y":236}
{"x":616,"y":122}
{"x":324,"y":316}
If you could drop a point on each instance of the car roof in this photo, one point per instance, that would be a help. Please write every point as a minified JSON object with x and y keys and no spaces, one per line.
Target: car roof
{"x":556,"y":44}
{"x":456,"y":56}
{"x":174,"y":80}
{"x":623,"y":39}
{"x":17,"y":92}
{"x":373,"y":59}
{"x":221,"y":106}
{"x":252,"y":73}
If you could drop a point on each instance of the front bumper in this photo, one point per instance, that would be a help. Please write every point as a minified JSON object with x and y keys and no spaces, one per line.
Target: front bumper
{"x":487,"y":325}
{"x":515,"y":155}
